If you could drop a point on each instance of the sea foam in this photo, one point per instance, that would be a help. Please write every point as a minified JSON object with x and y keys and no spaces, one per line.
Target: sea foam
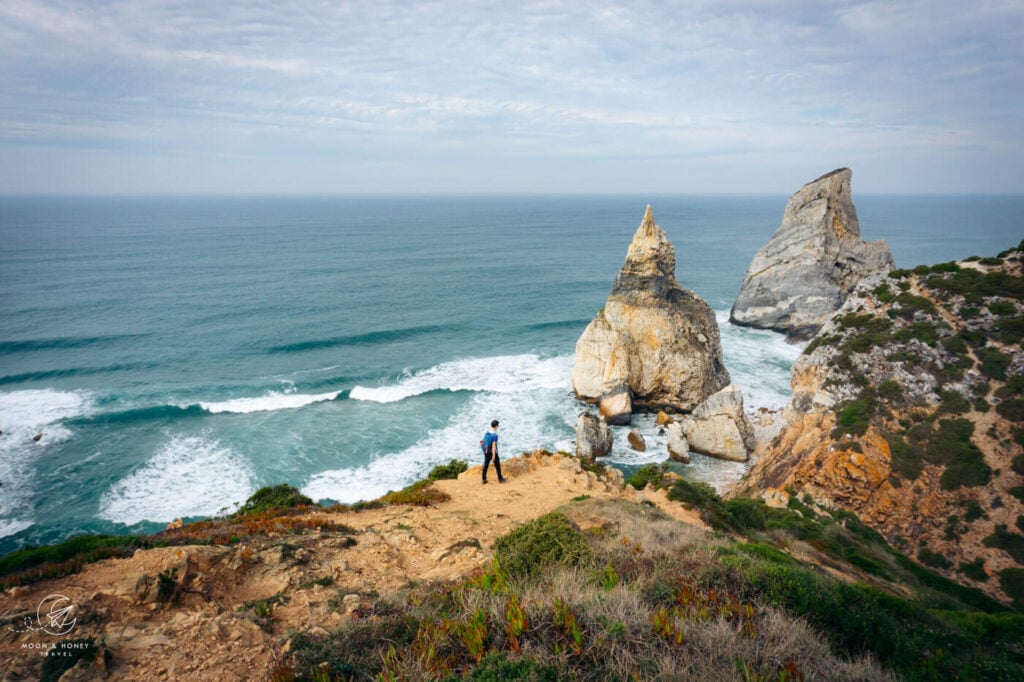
{"x":269,"y":402}
{"x":759,"y":362}
{"x":500,"y":374}
{"x":535,"y":407}
{"x":24,"y":415}
{"x":188,"y":476}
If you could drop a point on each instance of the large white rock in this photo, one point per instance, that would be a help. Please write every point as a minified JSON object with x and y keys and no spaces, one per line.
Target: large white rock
{"x":811,"y":264}
{"x":652,"y":336}
{"x":718,"y":427}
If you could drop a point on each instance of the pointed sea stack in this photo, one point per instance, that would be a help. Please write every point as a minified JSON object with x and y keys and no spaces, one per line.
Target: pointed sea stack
{"x":653,"y":341}
{"x":812,"y":262}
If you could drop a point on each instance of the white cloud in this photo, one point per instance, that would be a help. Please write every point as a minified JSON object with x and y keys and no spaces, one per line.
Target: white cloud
{"x":426,"y":83}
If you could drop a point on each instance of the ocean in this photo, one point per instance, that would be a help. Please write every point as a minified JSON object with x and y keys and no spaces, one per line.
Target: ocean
{"x":178,"y":353}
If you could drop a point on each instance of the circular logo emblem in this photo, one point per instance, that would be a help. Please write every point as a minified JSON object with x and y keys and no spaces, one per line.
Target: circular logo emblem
{"x":56,"y":615}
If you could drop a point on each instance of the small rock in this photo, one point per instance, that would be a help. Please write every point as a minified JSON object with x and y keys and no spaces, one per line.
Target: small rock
{"x":177,"y":523}
{"x":663,"y":418}
{"x":593,"y":437}
{"x":636,"y":441}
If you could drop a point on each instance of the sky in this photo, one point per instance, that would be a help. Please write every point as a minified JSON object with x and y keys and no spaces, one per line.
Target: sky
{"x":503,"y":97}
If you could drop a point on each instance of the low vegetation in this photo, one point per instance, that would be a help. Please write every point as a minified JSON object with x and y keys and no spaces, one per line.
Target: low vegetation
{"x":642,"y":596}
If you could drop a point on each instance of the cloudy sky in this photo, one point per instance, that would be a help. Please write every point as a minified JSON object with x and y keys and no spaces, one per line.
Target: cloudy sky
{"x":724,"y":96}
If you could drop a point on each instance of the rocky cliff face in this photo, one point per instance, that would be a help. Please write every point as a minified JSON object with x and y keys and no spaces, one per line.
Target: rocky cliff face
{"x":907,"y":409}
{"x":802,"y":275}
{"x":652,"y":337}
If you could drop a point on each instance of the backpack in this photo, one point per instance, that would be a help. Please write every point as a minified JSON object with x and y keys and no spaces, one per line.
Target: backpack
{"x":485,"y":442}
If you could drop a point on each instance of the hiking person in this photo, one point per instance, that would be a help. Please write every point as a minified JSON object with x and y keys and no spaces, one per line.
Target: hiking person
{"x":490,"y":447}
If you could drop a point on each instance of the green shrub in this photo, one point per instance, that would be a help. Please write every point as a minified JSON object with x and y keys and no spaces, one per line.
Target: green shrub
{"x":974,"y":570}
{"x":694,"y":494}
{"x":890,"y":390}
{"x":911,"y":304}
{"x":1011,"y":409}
{"x":854,"y":416}
{"x":1011,"y":329}
{"x":994,"y":364}
{"x":1012,"y":582}
{"x":1014,"y":386}
{"x":551,"y":540}
{"x":1017,"y":464}
{"x":353,"y":652}
{"x":272,"y":498}
{"x":906,"y":463}
{"x":1017,"y":491}
{"x":883,"y":293}
{"x":925,"y":332}
{"x":649,"y":474}
{"x":973,"y":338}
{"x":1011,"y":543}
{"x":419,"y":494}
{"x":969,"y":311}
{"x":745,"y":514}
{"x":953,"y":403}
{"x":448,"y":471}
{"x":497,"y":667}
{"x":929,"y":558}
{"x":72,"y":553}
{"x":973,"y":284}
{"x":955,"y":345}
{"x":1002,"y":308}
{"x":973,"y":511}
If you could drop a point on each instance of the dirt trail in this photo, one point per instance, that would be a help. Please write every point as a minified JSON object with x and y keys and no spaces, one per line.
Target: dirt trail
{"x":206,"y":630}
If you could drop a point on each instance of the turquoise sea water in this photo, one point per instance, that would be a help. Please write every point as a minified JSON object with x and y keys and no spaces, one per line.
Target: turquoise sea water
{"x":178,"y":353}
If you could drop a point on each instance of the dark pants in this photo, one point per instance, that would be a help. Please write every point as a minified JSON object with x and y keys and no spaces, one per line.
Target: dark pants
{"x":497,"y":464}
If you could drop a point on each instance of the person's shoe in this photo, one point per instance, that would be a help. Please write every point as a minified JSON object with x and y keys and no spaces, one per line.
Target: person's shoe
{"x":502,"y":480}
{"x":485,"y":482}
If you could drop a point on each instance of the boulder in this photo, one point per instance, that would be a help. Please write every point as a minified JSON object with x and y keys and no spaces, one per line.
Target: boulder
{"x":812,"y":263}
{"x":593,"y":437}
{"x":652,"y":336}
{"x":718,"y":427}
{"x":663,"y":418}
{"x":617,"y":407}
{"x":678,"y":449}
{"x":636,"y":441}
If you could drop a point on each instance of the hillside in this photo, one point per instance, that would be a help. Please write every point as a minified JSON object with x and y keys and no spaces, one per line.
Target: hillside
{"x":908,"y":409}
{"x":593,"y":580}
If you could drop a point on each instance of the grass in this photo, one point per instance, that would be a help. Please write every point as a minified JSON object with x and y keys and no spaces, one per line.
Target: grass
{"x":448,"y":471}
{"x":273,"y":498}
{"x":551,"y":540}
{"x":652,"y":474}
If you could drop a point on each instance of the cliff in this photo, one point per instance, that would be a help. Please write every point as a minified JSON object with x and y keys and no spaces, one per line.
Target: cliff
{"x":802,"y":275}
{"x":653,"y":341}
{"x":907,"y":409}
{"x":564,"y":572}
